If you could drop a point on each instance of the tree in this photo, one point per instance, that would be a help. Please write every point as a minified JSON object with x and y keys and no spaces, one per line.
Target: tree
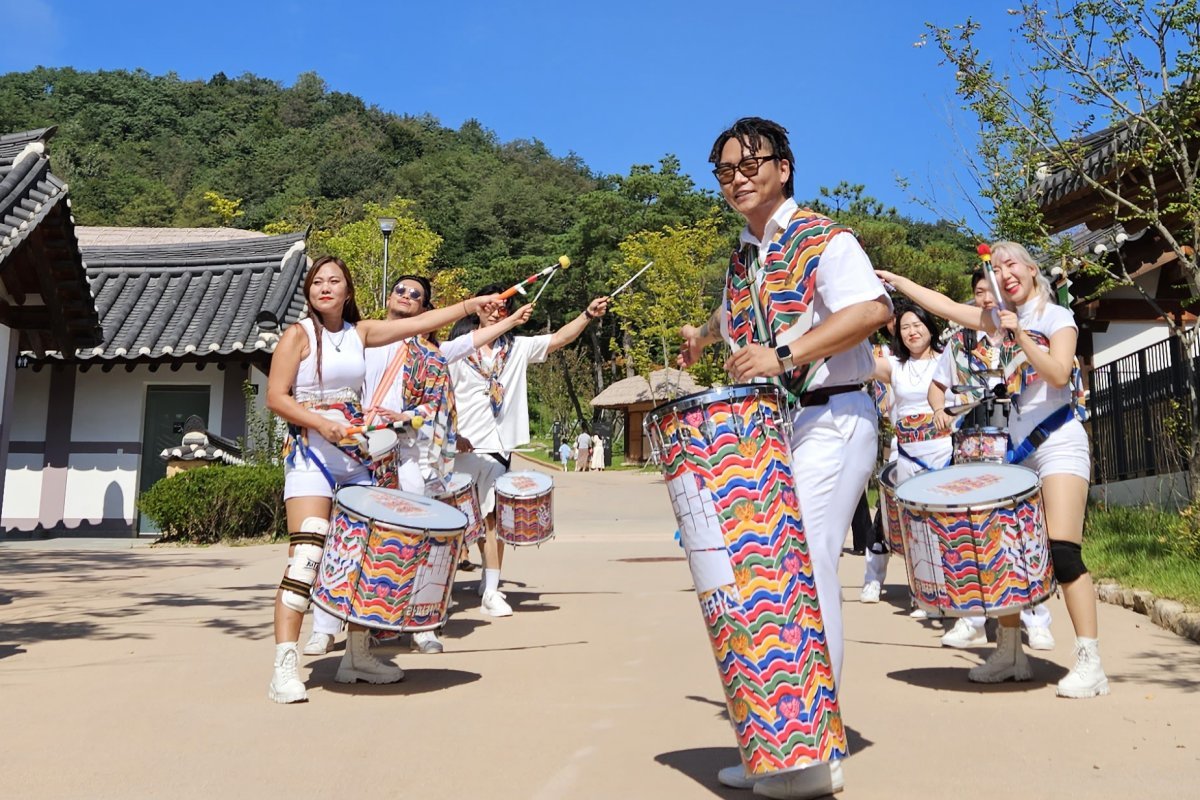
{"x":689,"y":263}
{"x":360,"y":244}
{"x":1129,"y":65}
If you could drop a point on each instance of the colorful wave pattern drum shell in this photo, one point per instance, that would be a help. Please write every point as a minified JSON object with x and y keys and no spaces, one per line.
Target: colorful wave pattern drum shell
{"x":381,"y":568}
{"x":980,"y":444}
{"x":892,"y":532}
{"x":524,"y":508}
{"x":986,"y":556}
{"x":727,"y":462}
{"x":460,"y":493}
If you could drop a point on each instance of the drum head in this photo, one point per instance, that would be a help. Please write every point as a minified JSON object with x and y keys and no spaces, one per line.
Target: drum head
{"x":967,"y":485}
{"x":400,"y":509}
{"x":524,"y":483}
{"x":456,"y":482}
{"x":380,"y":442}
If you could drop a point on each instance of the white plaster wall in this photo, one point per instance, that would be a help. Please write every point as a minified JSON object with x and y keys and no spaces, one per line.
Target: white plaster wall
{"x":109,"y":407}
{"x":29,"y":405}
{"x":1123,"y":338}
{"x":22,"y":490}
{"x":99,"y":486}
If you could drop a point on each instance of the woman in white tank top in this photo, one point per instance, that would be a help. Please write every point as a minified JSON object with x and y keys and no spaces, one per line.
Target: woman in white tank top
{"x":1041,"y":339}
{"x":316,"y":376}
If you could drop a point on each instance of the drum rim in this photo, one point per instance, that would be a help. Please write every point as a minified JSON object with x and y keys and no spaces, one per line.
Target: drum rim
{"x":983,"y":429}
{"x":983,"y":506}
{"x":733,"y":391}
{"x":542,"y":493}
{"x":446,"y":530}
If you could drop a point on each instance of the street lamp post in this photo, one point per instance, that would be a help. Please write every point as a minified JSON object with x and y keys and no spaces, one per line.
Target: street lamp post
{"x":386,"y":226}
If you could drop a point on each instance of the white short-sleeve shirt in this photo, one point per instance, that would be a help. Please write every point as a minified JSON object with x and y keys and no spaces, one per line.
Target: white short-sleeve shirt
{"x":844,"y":277}
{"x":1040,"y":399}
{"x":486,"y":432}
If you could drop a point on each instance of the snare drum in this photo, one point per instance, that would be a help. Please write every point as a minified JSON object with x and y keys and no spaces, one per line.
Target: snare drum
{"x":981,"y":444}
{"x":384,"y":465}
{"x":460,"y":493}
{"x":385,"y":558}
{"x":524,"y":508}
{"x":726,"y":458}
{"x":975,"y":539}
{"x":892,"y":532}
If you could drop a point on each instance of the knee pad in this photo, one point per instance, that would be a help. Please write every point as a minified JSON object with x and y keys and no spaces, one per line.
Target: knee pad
{"x":307,"y":546}
{"x":1068,"y":561}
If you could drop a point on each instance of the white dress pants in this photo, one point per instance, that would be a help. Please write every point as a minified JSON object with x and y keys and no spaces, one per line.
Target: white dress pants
{"x":833,"y":448}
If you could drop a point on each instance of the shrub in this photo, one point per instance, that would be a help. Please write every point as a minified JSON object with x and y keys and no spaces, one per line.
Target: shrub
{"x":218,"y":503}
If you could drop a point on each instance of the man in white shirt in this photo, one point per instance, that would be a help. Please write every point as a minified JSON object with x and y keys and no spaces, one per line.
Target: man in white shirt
{"x":834,"y":424}
{"x":493,"y":415}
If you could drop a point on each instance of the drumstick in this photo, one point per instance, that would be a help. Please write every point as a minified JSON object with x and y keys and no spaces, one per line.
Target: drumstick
{"x":538,"y":296}
{"x":985,"y":253}
{"x":625,"y":285}
{"x":415,"y":423}
{"x":563,"y":263}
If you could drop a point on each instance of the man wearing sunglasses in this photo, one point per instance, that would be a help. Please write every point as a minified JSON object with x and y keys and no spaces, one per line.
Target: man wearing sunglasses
{"x":799,"y":291}
{"x":493,"y":414}
{"x":421,"y":389}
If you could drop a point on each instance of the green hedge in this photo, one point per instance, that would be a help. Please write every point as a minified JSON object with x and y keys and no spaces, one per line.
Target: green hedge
{"x":218,"y":504}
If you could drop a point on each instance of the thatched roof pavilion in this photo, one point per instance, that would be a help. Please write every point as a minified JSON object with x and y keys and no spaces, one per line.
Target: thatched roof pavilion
{"x":637,"y":395}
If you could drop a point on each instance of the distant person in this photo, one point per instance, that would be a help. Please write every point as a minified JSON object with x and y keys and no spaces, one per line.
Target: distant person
{"x":597,"y":453}
{"x":583,"y":451}
{"x":564,"y":454}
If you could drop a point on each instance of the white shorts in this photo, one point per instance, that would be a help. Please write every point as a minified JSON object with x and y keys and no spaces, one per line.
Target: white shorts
{"x":1065,"y":452}
{"x":305,"y":478}
{"x":484,"y":470}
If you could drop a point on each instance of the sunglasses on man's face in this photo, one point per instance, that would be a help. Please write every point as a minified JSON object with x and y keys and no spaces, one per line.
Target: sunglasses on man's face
{"x":748,"y":166}
{"x":411,"y":294}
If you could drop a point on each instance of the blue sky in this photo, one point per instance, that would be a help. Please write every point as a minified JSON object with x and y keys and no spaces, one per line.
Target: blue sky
{"x":618,"y":82}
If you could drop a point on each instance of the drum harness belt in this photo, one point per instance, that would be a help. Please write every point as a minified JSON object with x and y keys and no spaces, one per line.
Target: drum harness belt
{"x":1039,"y":434}
{"x":905,"y":454}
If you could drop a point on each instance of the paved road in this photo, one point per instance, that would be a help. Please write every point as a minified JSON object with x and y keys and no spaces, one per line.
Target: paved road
{"x":142,"y":672}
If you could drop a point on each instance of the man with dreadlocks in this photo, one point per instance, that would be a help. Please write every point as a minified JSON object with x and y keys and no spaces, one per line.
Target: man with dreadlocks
{"x":800,"y":291}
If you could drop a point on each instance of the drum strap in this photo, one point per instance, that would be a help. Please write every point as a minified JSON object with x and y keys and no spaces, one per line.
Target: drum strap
{"x":905,"y":454}
{"x":309,"y":455}
{"x":1043,"y":430}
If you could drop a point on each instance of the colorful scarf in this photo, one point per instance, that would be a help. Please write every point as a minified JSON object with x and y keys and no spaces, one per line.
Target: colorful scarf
{"x":970,"y":361}
{"x":428,"y":394}
{"x":788,"y":288}
{"x":492,"y":374}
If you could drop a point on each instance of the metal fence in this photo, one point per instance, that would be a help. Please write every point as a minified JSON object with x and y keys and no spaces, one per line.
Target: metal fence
{"x":1141,"y":413}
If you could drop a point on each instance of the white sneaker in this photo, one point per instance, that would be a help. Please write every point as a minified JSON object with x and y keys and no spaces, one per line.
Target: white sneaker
{"x":919,"y":613}
{"x":964,"y":635}
{"x":735,"y":777}
{"x":1006,"y":663}
{"x":359,"y":665}
{"x":286,"y":686}
{"x":870,"y":592}
{"x":493,"y":605}
{"x":318,"y":644}
{"x":819,"y":780}
{"x":1086,"y":678}
{"x":1040,"y":638}
{"x":426,"y":642}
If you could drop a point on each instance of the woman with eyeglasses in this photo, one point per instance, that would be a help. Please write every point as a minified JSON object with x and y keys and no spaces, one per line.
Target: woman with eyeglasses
{"x":493,"y":414}
{"x":314,"y":385}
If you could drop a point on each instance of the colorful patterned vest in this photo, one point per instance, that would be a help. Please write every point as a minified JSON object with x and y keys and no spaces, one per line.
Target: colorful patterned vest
{"x":1019,"y":373}
{"x":787,"y":290}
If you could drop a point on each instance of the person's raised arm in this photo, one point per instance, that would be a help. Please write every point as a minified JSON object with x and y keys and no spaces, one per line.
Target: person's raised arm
{"x":485,"y":336}
{"x":938,"y":304}
{"x":285,"y":364}
{"x":375,"y":332}
{"x":571,"y":331}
